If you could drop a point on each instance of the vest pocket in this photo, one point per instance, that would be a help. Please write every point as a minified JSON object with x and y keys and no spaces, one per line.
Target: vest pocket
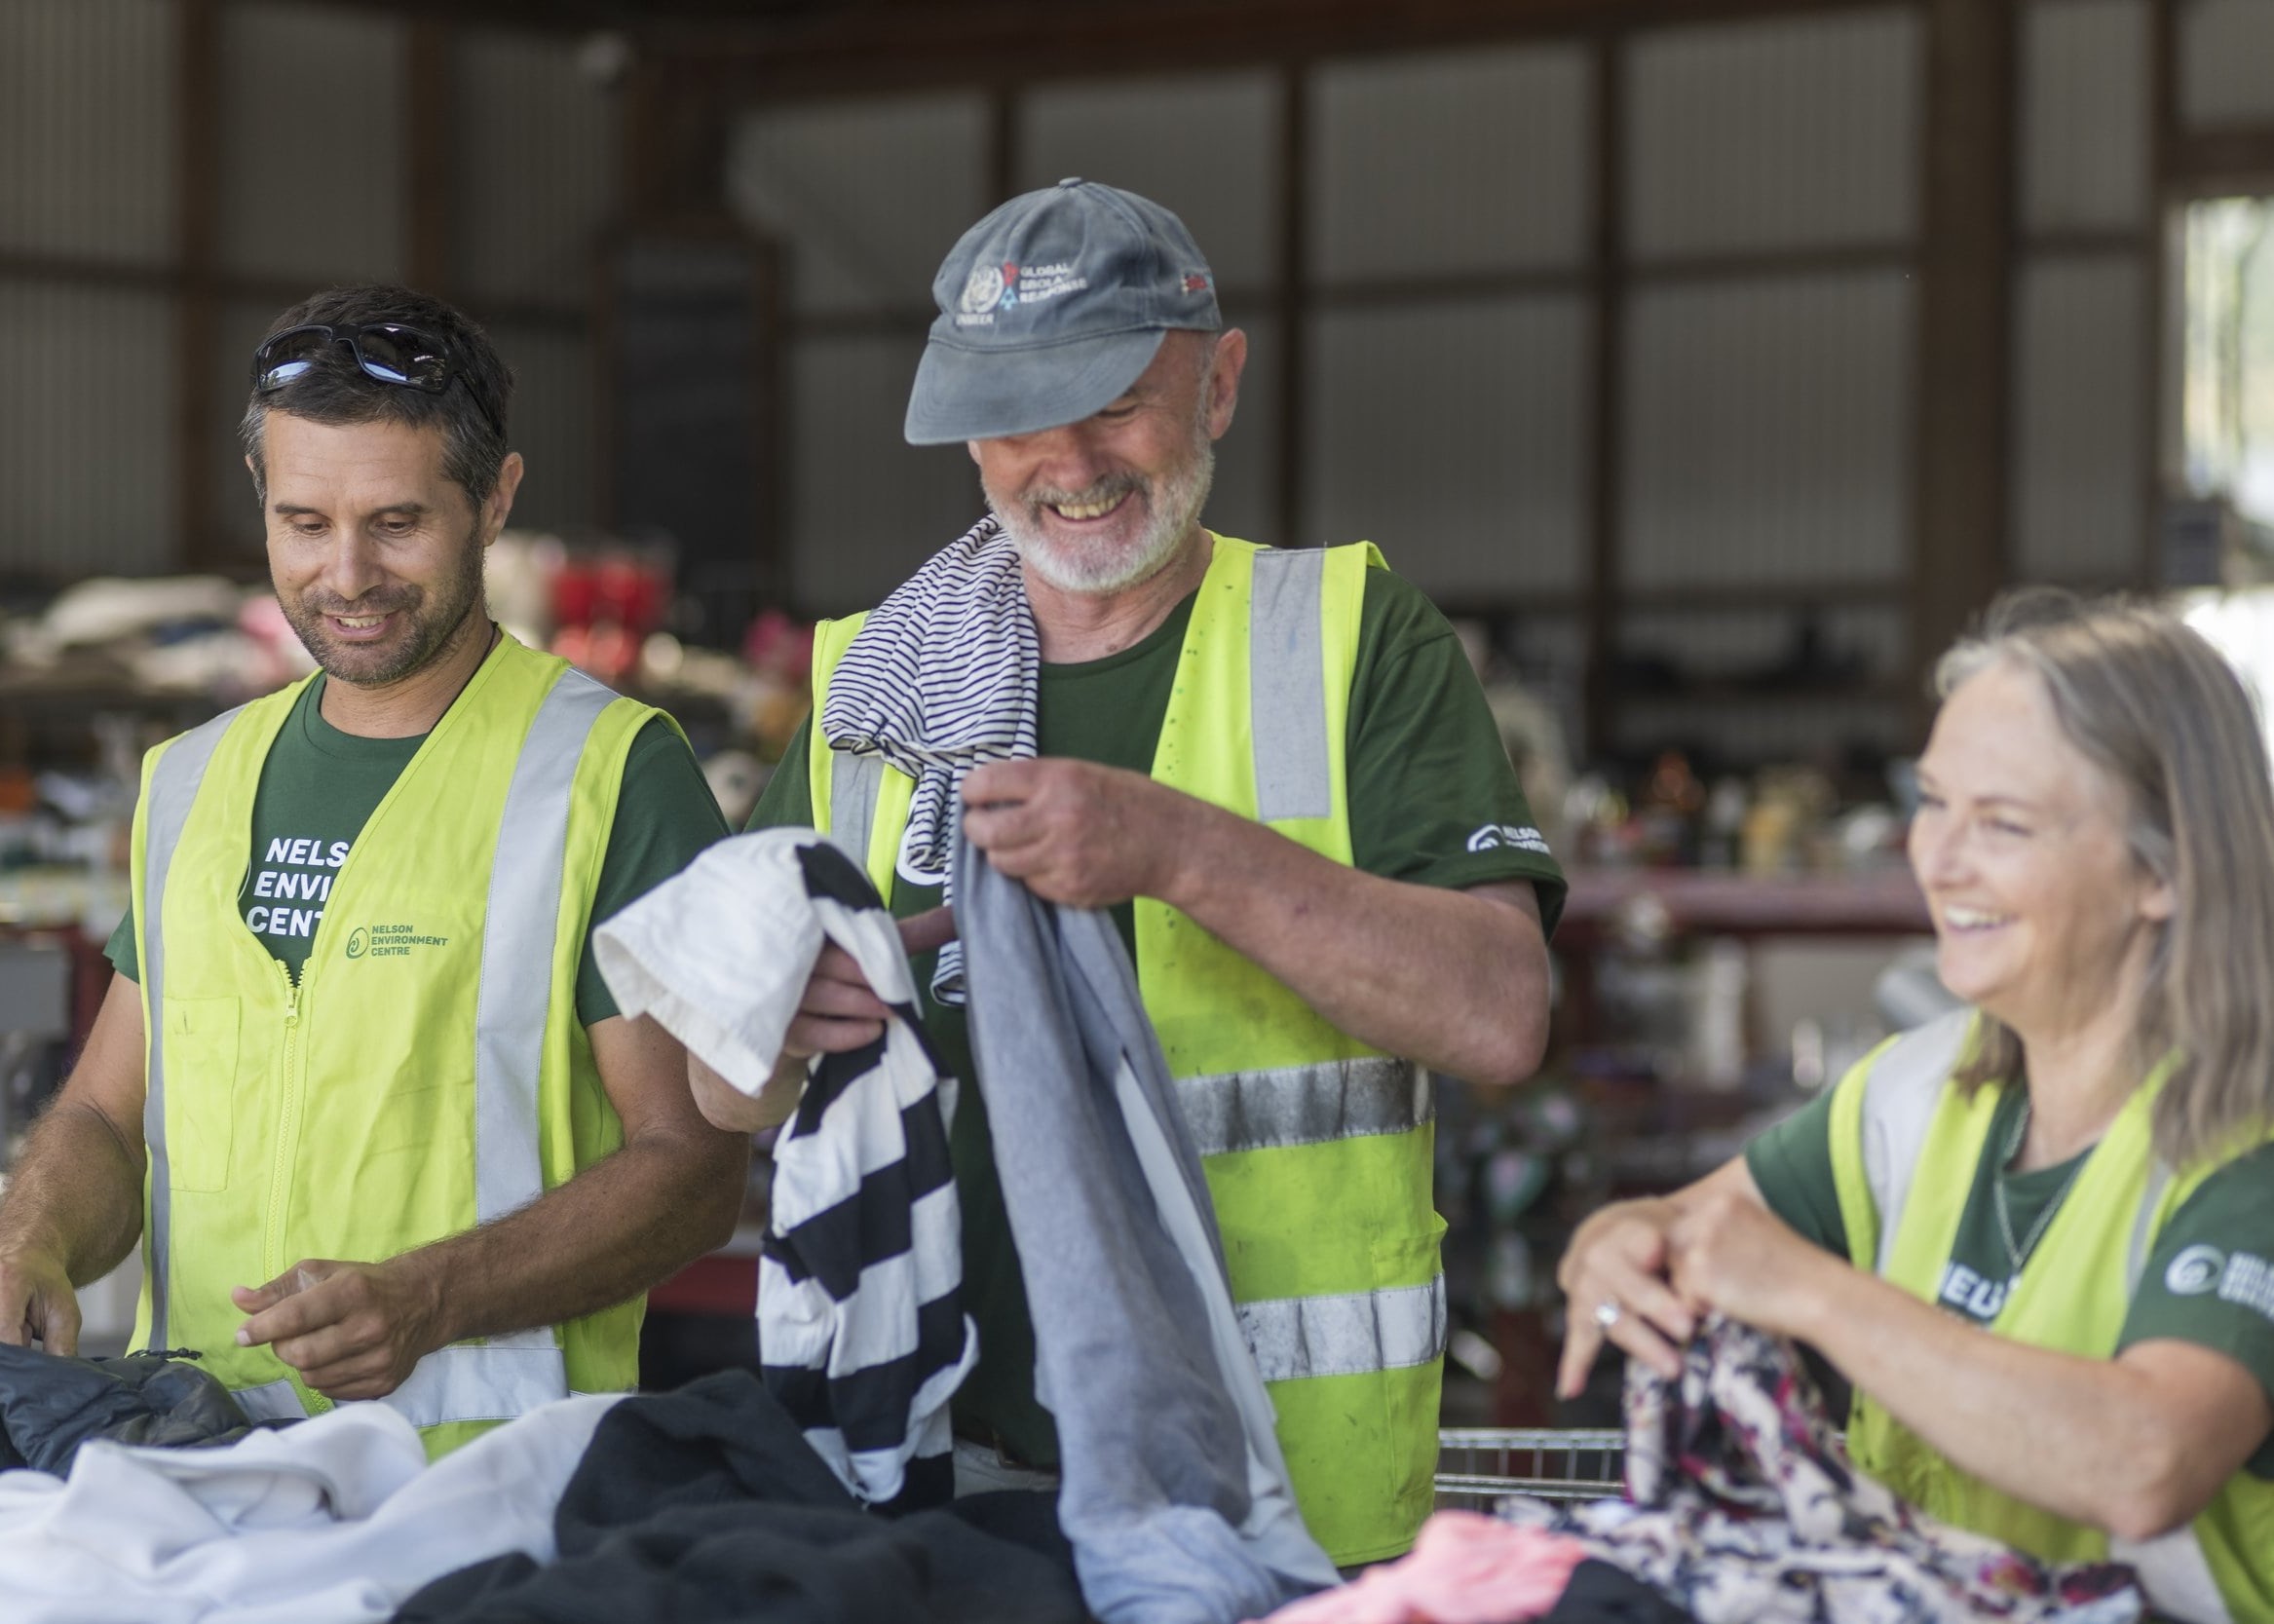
{"x":1410,"y":1291}
{"x":200,"y":1081}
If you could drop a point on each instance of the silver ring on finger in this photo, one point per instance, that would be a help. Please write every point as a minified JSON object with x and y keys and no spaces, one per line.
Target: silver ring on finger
{"x":1609,"y":1313}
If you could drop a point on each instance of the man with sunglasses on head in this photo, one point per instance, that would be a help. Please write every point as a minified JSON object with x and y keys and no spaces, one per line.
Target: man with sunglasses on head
{"x":357,"y":1086}
{"x":1273,"y":765}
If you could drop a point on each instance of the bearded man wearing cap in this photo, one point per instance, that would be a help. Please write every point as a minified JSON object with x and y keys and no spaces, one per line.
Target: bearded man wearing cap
{"x":1275,"y":767}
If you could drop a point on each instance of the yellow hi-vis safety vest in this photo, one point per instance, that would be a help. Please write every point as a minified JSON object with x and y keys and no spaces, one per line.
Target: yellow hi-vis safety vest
{"x":1906,"y":1142}
{"x":428,"y":1072}
{"x":1316,"y":1148}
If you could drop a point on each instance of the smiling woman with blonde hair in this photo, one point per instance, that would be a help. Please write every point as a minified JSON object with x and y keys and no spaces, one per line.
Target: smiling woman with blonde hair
{"x":2037,"y":1236}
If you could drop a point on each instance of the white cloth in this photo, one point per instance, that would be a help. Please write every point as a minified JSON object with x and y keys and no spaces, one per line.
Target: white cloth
{"x":941,"y":678}
{"x":861,"y":1334}
{"x":334,"y":1521}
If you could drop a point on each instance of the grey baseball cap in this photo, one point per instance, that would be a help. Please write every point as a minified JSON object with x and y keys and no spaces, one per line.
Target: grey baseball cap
{"x":1049,"y":308}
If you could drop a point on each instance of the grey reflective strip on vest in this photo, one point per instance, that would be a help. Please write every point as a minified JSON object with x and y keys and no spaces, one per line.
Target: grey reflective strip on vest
{"x":516,"y":947}
{"x":271,"y":1401}
{"x":1287,"y":686}
{"x":1295,"y":1337}
{"x":504,"y":1377}
{"x":173,"y":791}
{"x":2175,"y":1575}
{"x":1304,"y":1105}
{"x":2159,"y":1180}
{"x":855,"y":782}
{"x":492,"y":1380}
{"x":1898,"y":1102}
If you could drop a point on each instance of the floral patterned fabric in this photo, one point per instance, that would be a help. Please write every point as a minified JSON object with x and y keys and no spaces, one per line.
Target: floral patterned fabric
{"x":1743,"y":1509}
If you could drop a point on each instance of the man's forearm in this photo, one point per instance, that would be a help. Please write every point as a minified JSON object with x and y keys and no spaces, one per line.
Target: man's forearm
{"x":1446,"y":978}
{"x":617,"y":1228}
{"x":75,"y":1193}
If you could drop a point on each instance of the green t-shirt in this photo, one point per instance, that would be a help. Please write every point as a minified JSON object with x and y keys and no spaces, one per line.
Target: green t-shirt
{"x":318,"y":786}
{"x":1427,"y":774}
{"x":2207,"y":1281}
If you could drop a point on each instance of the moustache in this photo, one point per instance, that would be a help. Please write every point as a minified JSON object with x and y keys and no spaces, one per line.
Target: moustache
{"x":1108,"y":489}
{"x":386,"y":603}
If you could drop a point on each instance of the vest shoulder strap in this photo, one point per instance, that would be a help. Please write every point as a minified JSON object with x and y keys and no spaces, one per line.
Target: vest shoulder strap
{"x":1899,"y":1104}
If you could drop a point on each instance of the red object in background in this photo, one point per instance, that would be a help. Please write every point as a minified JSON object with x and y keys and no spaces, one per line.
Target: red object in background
{"x":604,"y":605}
{"x":779,"y":646}
{"x":717,"y":1284}
{"x":1524,"y":1395}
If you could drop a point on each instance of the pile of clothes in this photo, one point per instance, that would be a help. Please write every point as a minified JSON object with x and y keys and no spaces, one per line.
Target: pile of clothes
{"x":1742,"y":1508}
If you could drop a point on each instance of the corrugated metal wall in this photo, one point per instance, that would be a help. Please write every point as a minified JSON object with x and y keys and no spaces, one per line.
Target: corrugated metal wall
{"x":2226,"y":62}
{"x":86,"y":400}
{"x":1445,"y":419}
{"x":864,"y":195}
{"x":2084,"y":133}
{"x":534,"y":149}
{"x":2083,"y":392}
{"x":1454,"y":436}
{"x":1767,"y":431}
{"x":86,"y":111}
{"x":1209,"y":144}
{"x":312,"y":210}
{"x":311,"y":192}
{"x":1773,"y":210}
{"x":1436,"y":165}
{"x":1777,"y":135}
{"x":87,"y":118}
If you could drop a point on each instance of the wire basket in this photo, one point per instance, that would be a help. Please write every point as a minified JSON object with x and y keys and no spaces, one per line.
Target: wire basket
{"x":1479,"y":1466}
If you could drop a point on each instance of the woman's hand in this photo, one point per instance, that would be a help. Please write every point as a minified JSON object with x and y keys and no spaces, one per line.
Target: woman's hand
{"x":1734,"y":1257}
{"x":1615,"y":1286}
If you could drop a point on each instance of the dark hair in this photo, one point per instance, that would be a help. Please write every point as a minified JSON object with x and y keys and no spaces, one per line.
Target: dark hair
{"x":2160,"y":711}
{"x":334,"y":389}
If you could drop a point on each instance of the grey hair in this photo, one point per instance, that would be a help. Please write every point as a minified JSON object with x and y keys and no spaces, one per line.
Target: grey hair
{"x":2154,"y":706}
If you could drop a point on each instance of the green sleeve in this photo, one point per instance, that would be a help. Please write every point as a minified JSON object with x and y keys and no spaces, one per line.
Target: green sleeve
{"x":1434,"y":798}
{"x":787,"y":799}
{"x":120,"y":949}
{"x":1792,"y":1163}
{"x":2210,"y":1279}
{"x":664,"y":815}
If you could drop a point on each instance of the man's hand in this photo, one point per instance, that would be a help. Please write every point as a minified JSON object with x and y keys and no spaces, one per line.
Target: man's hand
{"x":37,"y":1301}
{"x":837,"y":1011}
{"x":1078,"y":834}
{"x":351,"y":1330}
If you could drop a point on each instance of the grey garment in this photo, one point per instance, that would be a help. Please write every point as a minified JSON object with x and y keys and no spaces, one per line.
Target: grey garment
{"x":51,"y":1404}
{"x":1175,"y":1494}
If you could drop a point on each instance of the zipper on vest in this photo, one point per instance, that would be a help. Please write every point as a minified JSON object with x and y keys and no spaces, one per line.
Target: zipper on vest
{"x":282,"y":1159}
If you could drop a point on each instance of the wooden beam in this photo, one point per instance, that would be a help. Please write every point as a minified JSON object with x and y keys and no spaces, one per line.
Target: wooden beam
{"x":197,"y":189}
{"x":2164,"y":316}
{"x":1001,"y":157}
{"x":863,"y":47}
{"x":428,"y":117}
{"x":1961,"y":413}
{"x":1293,"y":301}
{"x":555,"y":314}
{"x":2205,"y":162}
{"x":1607,"y":435}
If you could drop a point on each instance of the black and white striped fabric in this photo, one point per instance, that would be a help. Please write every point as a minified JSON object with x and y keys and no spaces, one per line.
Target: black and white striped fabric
{"x":940,"y":679}
{"x":862,"y":1331}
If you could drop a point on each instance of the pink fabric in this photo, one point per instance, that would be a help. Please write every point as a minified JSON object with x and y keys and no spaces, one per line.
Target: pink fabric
{"x":1465,"y":1569}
